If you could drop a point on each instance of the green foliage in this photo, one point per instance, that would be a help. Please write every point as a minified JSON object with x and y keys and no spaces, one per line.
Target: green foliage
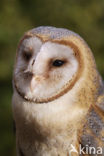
{"x":17,"y":16}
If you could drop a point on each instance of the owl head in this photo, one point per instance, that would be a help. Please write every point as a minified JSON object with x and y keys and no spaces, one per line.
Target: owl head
{"x":51,"y":62}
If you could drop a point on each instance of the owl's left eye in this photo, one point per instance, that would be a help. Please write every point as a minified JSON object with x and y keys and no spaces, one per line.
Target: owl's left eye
{"x":58,"y":63}
{"x":27,"y":55}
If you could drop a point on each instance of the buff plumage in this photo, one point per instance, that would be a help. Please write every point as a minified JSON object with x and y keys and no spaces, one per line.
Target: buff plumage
{"x":57,"y":90}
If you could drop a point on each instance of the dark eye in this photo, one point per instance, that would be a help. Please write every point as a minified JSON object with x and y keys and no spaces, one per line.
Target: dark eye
{"x":58,"y":63}
{"x":27,"y":55}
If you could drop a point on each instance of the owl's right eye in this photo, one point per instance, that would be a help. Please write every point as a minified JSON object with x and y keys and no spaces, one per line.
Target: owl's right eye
{"x":27,"y":55}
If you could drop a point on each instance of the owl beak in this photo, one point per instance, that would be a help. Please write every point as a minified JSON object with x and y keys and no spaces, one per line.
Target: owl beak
{"x":39,"y":78}
{"x":35,"y":81}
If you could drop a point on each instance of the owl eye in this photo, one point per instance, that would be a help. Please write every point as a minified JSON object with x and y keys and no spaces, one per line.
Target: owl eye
{"x":27,"y":55}
{"x":58,"y":63}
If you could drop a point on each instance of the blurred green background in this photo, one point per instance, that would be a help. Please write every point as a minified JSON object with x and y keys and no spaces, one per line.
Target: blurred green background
{"x":85,"y":17}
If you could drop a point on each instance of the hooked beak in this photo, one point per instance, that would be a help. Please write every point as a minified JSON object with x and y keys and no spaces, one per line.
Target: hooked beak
{"x":35,"y":81}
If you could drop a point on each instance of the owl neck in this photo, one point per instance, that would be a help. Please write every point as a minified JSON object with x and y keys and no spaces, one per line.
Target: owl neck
{"x":53,"y":125}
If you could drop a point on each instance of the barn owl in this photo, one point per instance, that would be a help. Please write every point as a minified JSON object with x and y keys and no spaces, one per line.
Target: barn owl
{"x":58,"y":99}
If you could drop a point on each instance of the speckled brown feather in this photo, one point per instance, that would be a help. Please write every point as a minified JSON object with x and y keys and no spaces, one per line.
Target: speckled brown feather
{"x":93,"y":129}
